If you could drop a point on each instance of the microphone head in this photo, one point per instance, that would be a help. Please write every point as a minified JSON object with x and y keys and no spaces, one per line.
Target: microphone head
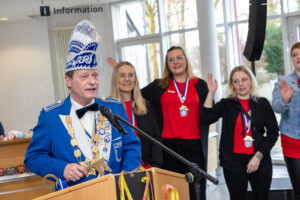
{"x":104,"y":109}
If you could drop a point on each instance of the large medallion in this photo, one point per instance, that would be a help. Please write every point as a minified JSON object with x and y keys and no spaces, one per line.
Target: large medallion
{"x":183,"y":111}
{"x":248,"y":141}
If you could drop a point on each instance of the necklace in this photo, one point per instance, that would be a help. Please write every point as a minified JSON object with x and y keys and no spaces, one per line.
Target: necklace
{"x":99,"y":126}
{"x":248,"y":140}
{"x":183,"y":109}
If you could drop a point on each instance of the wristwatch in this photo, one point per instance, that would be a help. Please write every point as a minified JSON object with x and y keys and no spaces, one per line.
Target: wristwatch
{"x":259,"y":155}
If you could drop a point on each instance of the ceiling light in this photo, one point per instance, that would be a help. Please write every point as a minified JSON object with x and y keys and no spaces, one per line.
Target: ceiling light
{"x":3,"y":18}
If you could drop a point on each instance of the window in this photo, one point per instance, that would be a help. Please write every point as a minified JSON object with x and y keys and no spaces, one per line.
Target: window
{"x":135,"y":19}
{"x":291,"y":5}
{"x":140,"y":40}
{"x":180,"y":14}
{"x":146,"y":60}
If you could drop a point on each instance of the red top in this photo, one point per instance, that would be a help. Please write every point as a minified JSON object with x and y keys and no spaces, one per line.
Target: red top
{"x":238,"y":139}
{"x":290,"y":146}
{"x":129,"y":113}
{"x":127,"y":105}
{"x":176,"y":126}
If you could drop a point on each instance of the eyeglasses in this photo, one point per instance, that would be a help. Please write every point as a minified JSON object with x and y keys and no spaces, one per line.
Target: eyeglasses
{"x":180,"y":57}
{"x":243,"y":80}
{"x":124,"y":75}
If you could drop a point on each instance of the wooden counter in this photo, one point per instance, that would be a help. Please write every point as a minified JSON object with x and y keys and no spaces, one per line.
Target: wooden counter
{"x":18,"y":186}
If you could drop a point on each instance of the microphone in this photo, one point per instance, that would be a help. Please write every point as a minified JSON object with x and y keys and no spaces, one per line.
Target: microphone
{"x":115,"y":123}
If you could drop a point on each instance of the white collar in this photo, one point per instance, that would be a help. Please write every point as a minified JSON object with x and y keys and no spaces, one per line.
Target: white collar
{"x":77,"y":105}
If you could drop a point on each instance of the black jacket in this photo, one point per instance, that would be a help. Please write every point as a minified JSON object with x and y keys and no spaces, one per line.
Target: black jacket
{"x":153,"y":93}
{"x":151,"y":153}
{"x":262,"y":116}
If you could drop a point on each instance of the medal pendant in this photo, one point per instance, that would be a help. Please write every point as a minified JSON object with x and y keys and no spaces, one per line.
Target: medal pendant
{"x":97,"y":138}
{"x":248,"y":141}
{"x":183,"y":111}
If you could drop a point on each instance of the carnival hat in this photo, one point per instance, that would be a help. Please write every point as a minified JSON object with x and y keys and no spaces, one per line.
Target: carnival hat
{"x":82,"y":47}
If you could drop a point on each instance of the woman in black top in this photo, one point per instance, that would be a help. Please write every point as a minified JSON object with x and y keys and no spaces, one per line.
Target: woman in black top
{"x":125,"y":86}
{"x":244,"y":149}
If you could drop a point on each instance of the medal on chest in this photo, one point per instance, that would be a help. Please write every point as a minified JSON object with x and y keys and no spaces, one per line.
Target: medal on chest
{"x":183,"y":109}
{"x":248,"y":140}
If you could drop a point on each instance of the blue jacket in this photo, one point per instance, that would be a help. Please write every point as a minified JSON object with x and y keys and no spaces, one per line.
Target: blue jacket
{"x":290,"y":112}
{"x":50,"y":149}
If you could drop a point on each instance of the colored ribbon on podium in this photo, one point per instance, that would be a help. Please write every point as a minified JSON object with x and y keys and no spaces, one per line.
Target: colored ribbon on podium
{"x":170,"y":192}
{"x":123,"y":187}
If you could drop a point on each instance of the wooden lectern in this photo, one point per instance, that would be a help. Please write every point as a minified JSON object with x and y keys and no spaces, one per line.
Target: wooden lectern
{"x":105,"y":187}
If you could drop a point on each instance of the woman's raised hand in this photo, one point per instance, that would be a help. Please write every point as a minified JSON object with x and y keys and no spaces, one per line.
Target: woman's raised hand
{"x":212,"y":85}
{"x":286,"y":91}
{"x":112,"y":62}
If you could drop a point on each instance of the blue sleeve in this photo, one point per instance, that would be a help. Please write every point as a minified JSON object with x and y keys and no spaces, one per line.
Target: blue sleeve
{"x":131,"y":147}
{"x":1,"y":129}
{"x":277,"y":103}
{"x":38,"y":157}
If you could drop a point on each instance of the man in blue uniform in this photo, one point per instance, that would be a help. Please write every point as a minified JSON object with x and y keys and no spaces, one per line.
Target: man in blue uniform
{"x":72,"y":134}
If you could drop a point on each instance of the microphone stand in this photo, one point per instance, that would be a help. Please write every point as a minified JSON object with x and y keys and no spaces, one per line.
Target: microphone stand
{"x":196,"y":172}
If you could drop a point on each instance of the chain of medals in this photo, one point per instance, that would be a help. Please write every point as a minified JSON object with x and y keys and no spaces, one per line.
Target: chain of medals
{"x":248,"y":140}
{"x":99,"y":124}
{"x":183,"y":109}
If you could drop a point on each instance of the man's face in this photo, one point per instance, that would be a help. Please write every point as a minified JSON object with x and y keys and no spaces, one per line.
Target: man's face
{"x":83,"y":86}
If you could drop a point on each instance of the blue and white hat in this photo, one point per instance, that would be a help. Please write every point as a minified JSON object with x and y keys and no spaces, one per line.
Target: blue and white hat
{"x":82,"y":47}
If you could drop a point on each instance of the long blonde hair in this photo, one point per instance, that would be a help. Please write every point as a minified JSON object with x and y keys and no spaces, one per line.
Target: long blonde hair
{"x":138,"y":102}
{"x":167,"y":74}
{"x":232,"y":92}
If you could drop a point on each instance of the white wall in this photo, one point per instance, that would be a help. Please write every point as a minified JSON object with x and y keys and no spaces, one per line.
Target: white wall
{"x":106,"y":48}
{"x":28,"y":70}
{"x":26,"y":83}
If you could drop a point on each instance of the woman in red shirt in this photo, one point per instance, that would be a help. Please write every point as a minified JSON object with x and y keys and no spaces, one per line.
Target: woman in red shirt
{"x":177,"y":99}
{"x":244,"y":146}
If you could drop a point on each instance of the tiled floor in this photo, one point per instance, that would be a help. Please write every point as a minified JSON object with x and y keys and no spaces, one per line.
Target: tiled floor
{"x":220,"y":192}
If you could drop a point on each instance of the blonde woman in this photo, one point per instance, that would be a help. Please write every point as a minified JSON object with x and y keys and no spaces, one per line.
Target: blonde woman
{"x":177,"y":100}
{"x":244,"y":150}
{"x":125,"y":86}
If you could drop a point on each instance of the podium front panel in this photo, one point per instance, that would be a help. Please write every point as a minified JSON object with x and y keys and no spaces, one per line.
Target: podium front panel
{"x":102,"y":188}
{"x":107,"y":187}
